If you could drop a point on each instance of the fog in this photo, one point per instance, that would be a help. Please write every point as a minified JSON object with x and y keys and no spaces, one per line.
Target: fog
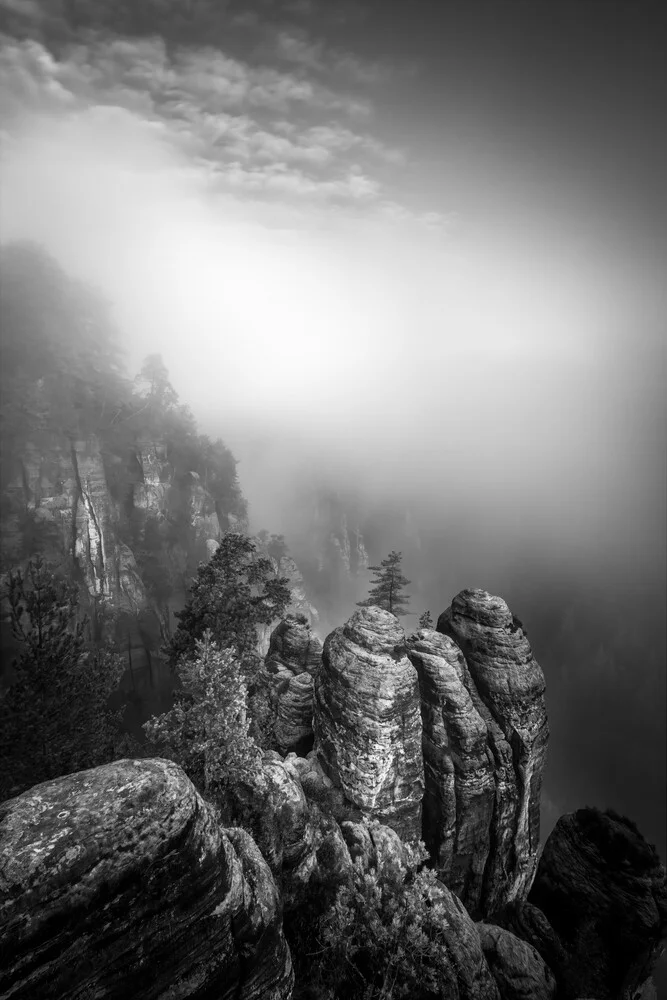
{"x":498,"y":381}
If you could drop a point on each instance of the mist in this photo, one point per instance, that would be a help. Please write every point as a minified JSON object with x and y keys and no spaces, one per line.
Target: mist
{"x":489,"y":385}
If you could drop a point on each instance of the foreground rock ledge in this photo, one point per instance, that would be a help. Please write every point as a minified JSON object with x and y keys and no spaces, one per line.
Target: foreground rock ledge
{"x":118,"y":882}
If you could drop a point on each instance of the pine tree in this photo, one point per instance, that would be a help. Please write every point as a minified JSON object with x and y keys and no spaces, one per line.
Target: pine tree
{"x":425,"y":620}
{"x":386,"y":590}
{"x":233,"y":593}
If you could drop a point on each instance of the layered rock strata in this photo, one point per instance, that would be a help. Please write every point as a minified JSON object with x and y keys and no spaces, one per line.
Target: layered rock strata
{"x":119,"y":882}
{"x":459,"y":769}
{"x":518,"y":969}
{"x":294,"y":645}
{"x":368,"y":727}
{"x":506,"y":687}
{"x":293,"y":659}
{"x":299,"y":840}
{"x":604,"y":892}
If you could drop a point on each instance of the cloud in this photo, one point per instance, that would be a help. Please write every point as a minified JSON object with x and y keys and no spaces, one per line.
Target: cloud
{"x":247,"y":127}
{"x":27,"y":8}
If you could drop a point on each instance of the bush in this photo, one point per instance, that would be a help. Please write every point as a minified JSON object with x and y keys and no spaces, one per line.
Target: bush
{"x":379,"y":935}
{"x":207,"y":730}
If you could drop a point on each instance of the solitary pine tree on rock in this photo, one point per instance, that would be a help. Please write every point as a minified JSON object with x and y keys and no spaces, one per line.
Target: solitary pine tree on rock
{"x":426,"y":620}
{"x":387,"y":587}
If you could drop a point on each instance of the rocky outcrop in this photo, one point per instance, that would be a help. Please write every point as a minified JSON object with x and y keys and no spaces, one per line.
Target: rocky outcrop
{"x":518,"y":969}
{"x":373,"y":844}
{"x":506,"y":687}
{"x":463,"y":973}
{"x":286,"y":678}
{"x":294,"y":645}
{"x":368,"y":727}
{"x":300,"y":606}
{"x":299,"y":840}
{"x":294,"y":715}
{"x":527,"y":922}
{"x":604,"y":892}
{"x":119,"y":881}
{"x":459,"y":769}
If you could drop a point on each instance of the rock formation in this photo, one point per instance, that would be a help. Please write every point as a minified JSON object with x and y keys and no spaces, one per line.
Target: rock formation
{"x":292,"y":833}
{"x":464,"y":973}
{"x":368,"y":727}
{"x":527,"y":922}
{"x":506,"y":687}
{"x":459,"y":768}
{"x":294,"y":645}
{"x":372,"y":843}
{"x":119,"y":882}
{"x":517,"y":967}
{"x":604,"y":892}
{"x":293,"y":659}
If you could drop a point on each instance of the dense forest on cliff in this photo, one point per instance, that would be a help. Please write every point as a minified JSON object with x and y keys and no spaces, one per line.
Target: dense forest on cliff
{"x":103,"y":474}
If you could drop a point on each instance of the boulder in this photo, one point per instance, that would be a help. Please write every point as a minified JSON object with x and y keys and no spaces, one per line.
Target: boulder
{"x":604,"y":892}
{"x":296,"y":837}
{"x":119,"y":881}
{"x":518,"y":969}
{"x":367,"y":720}
{"x":526,"y":921}
{"x":506,"y":686}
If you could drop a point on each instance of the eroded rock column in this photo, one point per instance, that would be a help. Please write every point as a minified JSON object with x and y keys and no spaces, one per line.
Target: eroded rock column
{"x":506,"y":688}
{"x":368,"y":727}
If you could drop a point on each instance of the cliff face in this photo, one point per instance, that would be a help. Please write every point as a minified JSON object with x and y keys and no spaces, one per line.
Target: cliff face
{"x":460,"y":776}
{"x":131,"y":526}
{"x":506,"y":686}
{"x":119,"y":882}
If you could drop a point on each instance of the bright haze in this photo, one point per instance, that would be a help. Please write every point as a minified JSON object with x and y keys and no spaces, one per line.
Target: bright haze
{"x":415,"y":249}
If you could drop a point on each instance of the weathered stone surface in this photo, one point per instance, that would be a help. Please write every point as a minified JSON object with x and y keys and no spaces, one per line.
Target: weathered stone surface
{"x":604,"y":891}
{"x":464,"y":974}
{"x":373,"y":843}
{"x":526,"y":921}
{"x":368,"y":726}
{"x":299,"y":840}
{"x":518,"y":969}
{"x":458,"y":767}
{"x":507,"y":691}
{"x":119,"y":882}
{"x":277,"y":810}
{"x":286,"y":677}
{"x":294,"y":715}
{"x":294,"y":645}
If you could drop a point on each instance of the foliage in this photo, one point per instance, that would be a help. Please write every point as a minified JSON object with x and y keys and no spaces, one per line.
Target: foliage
{"x":425,"y":620}
{"x":233,"y":594}
{"x":387,"y":587}
{"x":381,"y":935}
{"x":54,"y":717}
{"x":207,"y":730}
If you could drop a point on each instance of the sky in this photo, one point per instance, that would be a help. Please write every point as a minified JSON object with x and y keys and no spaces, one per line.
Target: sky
{"x":420,"y":248}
